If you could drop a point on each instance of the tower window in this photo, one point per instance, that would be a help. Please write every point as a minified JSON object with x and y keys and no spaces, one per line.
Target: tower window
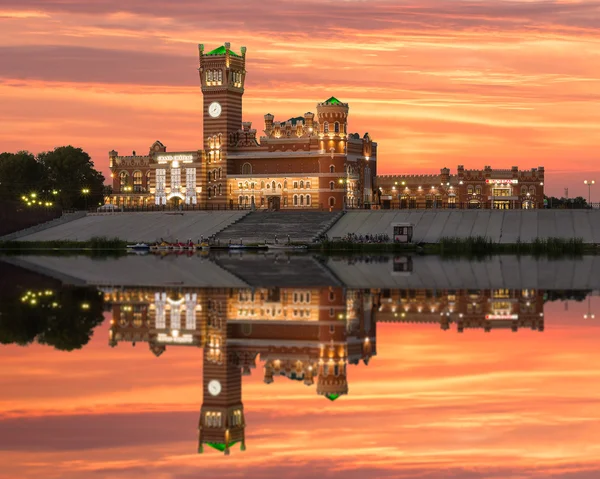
{"x":325,"y":127}
{"x":331,"y":201}
{"x":336,"y":127}
{"x":331,"y":185}
{"x":331,"y":169}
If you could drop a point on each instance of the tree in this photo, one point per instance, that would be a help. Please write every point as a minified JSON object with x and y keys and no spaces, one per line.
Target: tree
{"x":71,"y":172}
{"x":21,"y":174}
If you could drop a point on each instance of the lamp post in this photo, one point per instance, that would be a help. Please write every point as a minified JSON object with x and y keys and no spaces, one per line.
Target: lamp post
{"x":589,"y":184}
{"x":589,"y":314}
{"x":85,"y":192}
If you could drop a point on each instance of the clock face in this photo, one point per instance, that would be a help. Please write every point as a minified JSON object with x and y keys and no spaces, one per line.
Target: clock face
{"x":214,"y":109}
{"x":214,"y":387}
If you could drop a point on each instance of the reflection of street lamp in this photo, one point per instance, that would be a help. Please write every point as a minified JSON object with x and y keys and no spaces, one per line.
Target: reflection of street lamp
{"x":589,"y":314}
{"x":589,"y":184}
{"x":85,"y":192}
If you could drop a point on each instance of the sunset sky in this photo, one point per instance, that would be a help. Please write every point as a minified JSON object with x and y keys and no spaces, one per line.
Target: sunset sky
{"x":435,"y":82}
{"x":432,"y":404}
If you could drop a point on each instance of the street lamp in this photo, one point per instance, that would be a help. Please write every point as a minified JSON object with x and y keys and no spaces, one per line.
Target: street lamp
{"x":589,"y":184}
{"x":589,"y":311}
{"x":85,"y":192}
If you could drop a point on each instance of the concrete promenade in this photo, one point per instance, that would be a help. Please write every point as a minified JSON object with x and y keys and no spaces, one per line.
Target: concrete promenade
{"x":133,"y":227}
{"x":430,"y":225}
{"x":501,"y":226}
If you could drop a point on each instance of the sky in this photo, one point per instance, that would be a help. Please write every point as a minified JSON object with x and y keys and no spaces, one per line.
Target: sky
{"x":435,"y":82}
{"x":431,"y":404}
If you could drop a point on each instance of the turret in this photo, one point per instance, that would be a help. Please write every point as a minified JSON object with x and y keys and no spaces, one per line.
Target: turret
{"x":333,"y":117}
{"x":268,"y":124}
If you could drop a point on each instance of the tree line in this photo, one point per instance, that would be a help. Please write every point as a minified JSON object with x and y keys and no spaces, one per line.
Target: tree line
{"x":64,"y":177}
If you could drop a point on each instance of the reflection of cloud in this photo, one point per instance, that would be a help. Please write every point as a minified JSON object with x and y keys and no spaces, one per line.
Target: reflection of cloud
{"x":431,"y":404}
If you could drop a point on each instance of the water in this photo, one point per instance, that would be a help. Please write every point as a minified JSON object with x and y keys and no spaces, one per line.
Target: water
{"x":298,"y":366}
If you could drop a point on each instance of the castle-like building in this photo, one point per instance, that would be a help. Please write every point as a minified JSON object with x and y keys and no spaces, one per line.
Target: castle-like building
{"x":307,"y":335}
{"x":310,"y":161}
{"x":486,"y":188}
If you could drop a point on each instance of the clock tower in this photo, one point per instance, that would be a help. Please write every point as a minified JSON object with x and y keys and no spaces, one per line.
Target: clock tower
{"x":222,"y":76}
{"x":222,"y":423}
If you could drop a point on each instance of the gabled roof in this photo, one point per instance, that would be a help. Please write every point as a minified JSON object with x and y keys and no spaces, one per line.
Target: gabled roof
{"x":221,"y":51}
{"x":295,"y":120}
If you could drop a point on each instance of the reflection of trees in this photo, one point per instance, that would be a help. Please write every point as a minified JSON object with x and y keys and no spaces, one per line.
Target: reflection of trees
{"x":42,"y":310}
{"x":566,"y":294}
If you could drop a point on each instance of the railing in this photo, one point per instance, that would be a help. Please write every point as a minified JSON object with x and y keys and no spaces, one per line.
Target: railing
{"x":512,"y":204}
{"x":209,"y":207}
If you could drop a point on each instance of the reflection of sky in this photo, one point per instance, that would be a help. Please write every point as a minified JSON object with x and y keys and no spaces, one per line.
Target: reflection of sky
{"x":427,"y":79}
{"x":431,"y":404}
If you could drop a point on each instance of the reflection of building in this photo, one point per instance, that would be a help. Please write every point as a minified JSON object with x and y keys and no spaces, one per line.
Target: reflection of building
{"x":307,"y":335}
{"x":481,"y":309}
{"x":305,"y":162}
{"x":504,"y":189}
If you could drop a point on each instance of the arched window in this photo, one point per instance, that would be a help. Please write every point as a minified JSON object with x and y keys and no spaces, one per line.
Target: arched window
{"x":325,"y":127}
{"x":336,"y":127}
{"x":301,"y":200}
{"x":478,"y":189}
{"x":219,"y":190}
{"x":470,"y":189}
{"x":148,"y":175}
{"x":308,"y":185}
{"x":262,"y":185}
{"x":210,"y":75}
{"x":331,"y":185}
{"x":523,"y":190}
{"x":331,"y":169}
{"x":268,"y":185}
{"x":301,"y":184}
{"x":285,"y":201}
{"x":214,"y":175}
{"x":331,"y":201}
{"x":123,"y":179}
{"x":240,"y":200}
{"x":211,"y":142}
{"x":246,"y":200}
{"x":209,"y":191}
{"x":307,"y":200}
{"x":295,"y":200}
{"x":220,"y":173}
{"x":532,"y":190}
{"x":137,"y":181}
{"x":273,"y":185}
{"x":279,"y":186}
{"x":246,"y":169}
{"x":285,"y":184}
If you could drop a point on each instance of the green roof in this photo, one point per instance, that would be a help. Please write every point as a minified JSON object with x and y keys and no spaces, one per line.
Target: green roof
{"x":332,"y":396}
{"x":296,"y":120}
{"x":221,"y":51}
{"x":219,"y":446}
{"x":333,"y":101}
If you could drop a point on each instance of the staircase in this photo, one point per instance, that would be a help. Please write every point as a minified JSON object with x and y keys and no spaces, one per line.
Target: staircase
{"x":261,"y":226}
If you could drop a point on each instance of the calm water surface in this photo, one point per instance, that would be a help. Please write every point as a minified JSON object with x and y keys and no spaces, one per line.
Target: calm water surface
{"x":269,"y":366}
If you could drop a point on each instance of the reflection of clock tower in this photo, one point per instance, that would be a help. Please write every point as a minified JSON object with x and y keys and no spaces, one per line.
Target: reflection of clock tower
{"x":222,"y":74}
{"x":222,"y":420}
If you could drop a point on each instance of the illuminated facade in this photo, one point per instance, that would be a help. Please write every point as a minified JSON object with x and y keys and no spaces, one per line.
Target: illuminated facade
{"x":487,"y":188}
{"x":306,"y":335}
{"x":306,"y":162}
{"x":467,"y":309}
